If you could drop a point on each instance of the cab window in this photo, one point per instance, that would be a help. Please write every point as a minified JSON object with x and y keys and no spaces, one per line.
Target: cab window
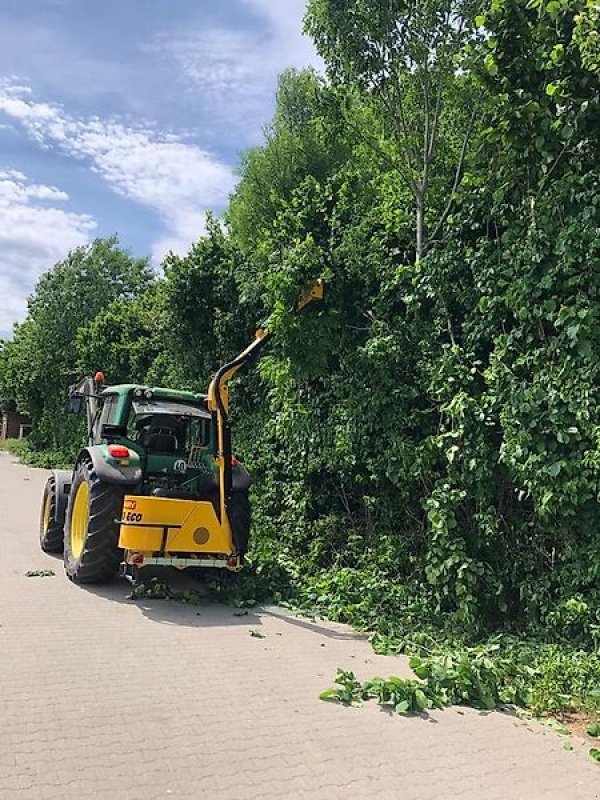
{"x":108,"y":415}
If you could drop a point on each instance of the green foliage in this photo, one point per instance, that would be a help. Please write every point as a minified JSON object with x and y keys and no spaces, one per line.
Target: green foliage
{"x":425,"y":445}
{"x":23,"y":450}
{"x":39,"y":573}
{"x":406,"y":696}
{"x":157,"y":589}
{"x":411,"y":65}
{"x":348,"y":690}
{"x":475,"y":677}
{"x":154,"y":589}
{"x":124,"y":339}
{"x":45,"y":356}
{"x":487,"y":676}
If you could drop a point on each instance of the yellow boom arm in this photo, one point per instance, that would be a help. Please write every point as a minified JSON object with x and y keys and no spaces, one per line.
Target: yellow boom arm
{"x":218,"y":399}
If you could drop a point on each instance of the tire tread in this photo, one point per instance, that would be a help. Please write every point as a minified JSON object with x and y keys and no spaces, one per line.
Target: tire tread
{"x":52,"y":540}
{"x":101,"y":556}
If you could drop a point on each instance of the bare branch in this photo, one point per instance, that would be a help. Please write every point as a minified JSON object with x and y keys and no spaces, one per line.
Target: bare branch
{"x":406,"y":149}
{"x":550,"y":171}
{"x":426,"y":126}
{"x":458,"y":174}
{"x":397,"y":90}
{"x":434,"y":125}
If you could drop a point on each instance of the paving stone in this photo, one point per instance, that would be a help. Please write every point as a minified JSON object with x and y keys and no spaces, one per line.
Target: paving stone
{"x":103,"y":698}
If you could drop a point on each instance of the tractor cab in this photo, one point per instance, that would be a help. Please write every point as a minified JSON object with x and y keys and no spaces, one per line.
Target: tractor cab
{"x":168,"y":427}
{"x":157,"y":482}
{"x":169,"y":432}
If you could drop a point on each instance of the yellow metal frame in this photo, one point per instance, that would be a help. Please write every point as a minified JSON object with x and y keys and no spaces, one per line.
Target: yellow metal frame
{"x":164,"y":525}
{"x":315,"y":291}
{"x":219,"y":390}
{"x":218,"y":394}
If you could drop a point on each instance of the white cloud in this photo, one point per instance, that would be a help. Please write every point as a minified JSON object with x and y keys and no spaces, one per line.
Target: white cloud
{"x":286,"y":22}
{"x":33,"y":236}
{"x":177,"y":180}
{"x":234,"y":70}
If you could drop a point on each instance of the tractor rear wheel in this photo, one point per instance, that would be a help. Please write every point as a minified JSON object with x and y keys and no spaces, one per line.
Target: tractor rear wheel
{"x":51,"y":531}
{"x":240,"y":518}
{"x":91,"y":537}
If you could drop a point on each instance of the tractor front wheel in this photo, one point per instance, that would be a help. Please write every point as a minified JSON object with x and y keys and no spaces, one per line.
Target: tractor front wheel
{"x":51,"y":531}
{"x":91,"y":536}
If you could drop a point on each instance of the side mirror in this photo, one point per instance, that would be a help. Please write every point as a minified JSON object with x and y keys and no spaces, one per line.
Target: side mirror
{"x":74,"y":404}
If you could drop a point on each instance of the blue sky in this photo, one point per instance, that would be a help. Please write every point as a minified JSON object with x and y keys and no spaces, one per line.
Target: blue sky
{"x":128,"y":117}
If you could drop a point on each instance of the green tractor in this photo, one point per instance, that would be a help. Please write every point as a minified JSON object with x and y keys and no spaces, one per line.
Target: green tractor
{"x":157,"y":483}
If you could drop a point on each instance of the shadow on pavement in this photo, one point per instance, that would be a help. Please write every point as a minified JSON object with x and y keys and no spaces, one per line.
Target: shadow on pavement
{"x":287,"y":617}
{"x":209,"y":612}
{"x":423,"y":716}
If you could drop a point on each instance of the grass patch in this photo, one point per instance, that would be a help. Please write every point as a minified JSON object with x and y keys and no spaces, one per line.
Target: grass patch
{"x":26,"y":454}
{"x":7,"y":445}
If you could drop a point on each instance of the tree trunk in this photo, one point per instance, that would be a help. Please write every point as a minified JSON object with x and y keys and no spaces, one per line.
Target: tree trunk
{"x":420,"y":204}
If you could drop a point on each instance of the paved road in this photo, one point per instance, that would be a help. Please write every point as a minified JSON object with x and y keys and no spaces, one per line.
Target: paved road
{"x":102,"y":697}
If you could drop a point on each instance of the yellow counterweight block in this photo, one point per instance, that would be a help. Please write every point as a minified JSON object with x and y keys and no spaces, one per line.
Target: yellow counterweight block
{"x":161,"y":524}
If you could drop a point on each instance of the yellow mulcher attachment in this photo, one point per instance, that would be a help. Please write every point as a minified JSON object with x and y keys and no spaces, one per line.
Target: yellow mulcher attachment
{"x":185,"y":533}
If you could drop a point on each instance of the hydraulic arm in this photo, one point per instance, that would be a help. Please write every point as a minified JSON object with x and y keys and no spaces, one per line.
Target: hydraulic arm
{"x":218,"y":397}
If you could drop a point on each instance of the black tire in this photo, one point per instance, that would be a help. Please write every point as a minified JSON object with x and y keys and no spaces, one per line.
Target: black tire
{"x":51,"y":531}
{"x":100,"y":557}
{"x":240,"y":517}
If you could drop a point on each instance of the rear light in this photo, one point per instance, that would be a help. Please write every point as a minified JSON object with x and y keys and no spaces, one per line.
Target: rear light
{"x":234,"y":461}
{"x":118,"y":451}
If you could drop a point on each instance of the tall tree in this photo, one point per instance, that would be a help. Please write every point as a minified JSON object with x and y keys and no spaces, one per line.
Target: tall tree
{"x":408,"y":59}
{"x":42,"y":358}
